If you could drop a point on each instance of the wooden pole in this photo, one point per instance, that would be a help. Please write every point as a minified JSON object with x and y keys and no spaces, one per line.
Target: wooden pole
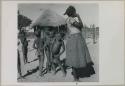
{"x":94,"y":33}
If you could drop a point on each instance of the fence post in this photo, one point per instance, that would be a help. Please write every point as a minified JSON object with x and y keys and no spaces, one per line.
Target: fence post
{"x":85,"y":31}
{"x":94,"y":34}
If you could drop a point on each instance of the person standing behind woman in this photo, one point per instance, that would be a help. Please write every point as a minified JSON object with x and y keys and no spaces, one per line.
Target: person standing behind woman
{"x":77,"y":54}
{"x":25,"y":50}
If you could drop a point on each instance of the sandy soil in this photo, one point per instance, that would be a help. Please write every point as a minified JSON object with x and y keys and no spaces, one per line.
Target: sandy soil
{"x":49,"y":77}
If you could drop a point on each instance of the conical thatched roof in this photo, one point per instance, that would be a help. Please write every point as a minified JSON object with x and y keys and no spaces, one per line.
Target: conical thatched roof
{"x":49,"y":18}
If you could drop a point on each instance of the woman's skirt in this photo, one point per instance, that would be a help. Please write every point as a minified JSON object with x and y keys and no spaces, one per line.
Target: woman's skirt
{"x":77,"y":54}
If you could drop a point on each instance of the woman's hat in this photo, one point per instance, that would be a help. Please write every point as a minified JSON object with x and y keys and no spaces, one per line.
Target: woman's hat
{"x":70,"y":10}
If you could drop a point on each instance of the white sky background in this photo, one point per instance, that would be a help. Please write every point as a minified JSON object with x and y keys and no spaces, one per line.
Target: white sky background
{"x":88,"y":11}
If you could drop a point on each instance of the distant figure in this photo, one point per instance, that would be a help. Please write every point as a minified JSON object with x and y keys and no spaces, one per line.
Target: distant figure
{"x":22,"y":35}
{"x":77,"y":53}
{"x":19,"y":61}
{"x":57,"y":44}
{"x":38,"y":44}
{"x":25,"y":50}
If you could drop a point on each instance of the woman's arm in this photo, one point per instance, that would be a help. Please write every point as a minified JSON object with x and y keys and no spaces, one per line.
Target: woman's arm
{"x":80,"y":20}
{"x":78,"y":24}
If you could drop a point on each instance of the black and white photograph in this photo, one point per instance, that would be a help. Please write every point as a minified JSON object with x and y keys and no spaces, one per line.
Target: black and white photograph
{"x":58,"y":42}
{"x":76,"y":43}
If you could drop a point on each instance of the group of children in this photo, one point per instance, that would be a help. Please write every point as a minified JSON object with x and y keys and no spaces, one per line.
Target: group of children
{"x":50,"y":46}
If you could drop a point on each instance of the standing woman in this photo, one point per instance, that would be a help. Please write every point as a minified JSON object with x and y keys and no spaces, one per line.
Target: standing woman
{"x":77,"y":54}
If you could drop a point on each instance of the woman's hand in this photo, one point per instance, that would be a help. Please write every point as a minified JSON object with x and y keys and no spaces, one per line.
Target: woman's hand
{"x":76,"y":15}
{"x":80,"y":20}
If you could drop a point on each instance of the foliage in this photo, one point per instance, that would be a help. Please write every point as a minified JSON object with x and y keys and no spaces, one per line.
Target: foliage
{"x":23,"y":21}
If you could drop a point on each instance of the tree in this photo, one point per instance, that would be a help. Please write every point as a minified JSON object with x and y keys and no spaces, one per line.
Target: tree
{"x":23,"y":21}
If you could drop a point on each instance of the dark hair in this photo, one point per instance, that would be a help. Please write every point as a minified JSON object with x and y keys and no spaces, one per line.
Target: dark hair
{"x":62,"y":35}
{"x":70,"y":11}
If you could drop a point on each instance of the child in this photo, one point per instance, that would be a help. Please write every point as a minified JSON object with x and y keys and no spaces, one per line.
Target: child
{"x":47,"y":46}
{"x":56,"y":47}
{"x":38,"y":44}
{"x":25,"y":49}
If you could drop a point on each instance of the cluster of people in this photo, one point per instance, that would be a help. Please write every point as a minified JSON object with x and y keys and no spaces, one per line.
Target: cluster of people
{"x":52,"y":46}
{"x":48,"y":46}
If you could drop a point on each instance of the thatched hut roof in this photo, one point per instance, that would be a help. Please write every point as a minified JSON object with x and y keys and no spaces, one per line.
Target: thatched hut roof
{"x":49,"y":18}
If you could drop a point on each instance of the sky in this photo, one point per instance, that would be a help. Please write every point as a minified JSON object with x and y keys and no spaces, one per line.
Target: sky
{"x":89,"y":12}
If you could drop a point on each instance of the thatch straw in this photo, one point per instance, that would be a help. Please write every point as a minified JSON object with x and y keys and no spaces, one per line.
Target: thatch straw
{"x":49,"y":18}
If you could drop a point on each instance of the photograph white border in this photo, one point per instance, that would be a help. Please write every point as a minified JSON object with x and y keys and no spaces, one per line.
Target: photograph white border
{"x":111,"y":43}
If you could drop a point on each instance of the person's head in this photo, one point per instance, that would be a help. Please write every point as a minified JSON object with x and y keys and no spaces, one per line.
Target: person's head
{"x":58,"y":36}
{"x":70,"y":11}
{"x":51,"y":33}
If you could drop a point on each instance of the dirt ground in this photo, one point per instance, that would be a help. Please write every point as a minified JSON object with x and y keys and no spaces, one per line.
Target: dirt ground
{"x":49,"y":77}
